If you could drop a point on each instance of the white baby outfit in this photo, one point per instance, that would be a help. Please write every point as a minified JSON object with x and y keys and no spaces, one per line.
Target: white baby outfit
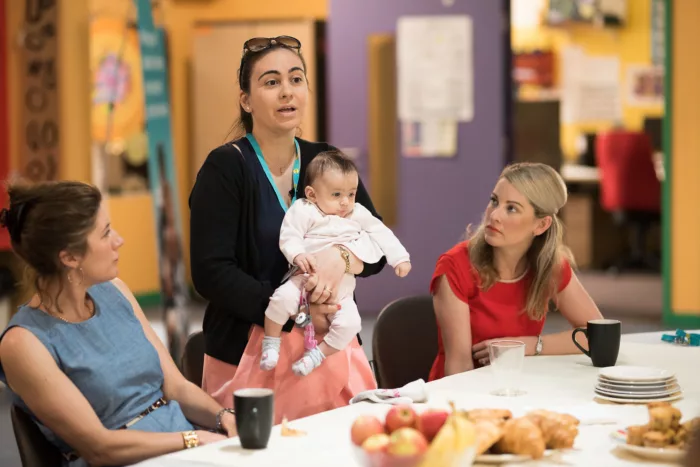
{"x":306,"y":229}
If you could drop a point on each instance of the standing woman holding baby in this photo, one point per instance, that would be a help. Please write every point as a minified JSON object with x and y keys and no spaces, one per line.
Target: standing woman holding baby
{"x":237,"y":205}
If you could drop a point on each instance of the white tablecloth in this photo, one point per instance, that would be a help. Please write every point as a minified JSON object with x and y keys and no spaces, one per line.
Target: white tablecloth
{"x":652,"y":337}
{"x":562,"y":383}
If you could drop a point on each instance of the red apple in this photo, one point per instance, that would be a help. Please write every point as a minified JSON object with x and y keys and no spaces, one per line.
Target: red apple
{"x":363,"y":427}
{"x":430,"y":422}
{"x":400,"y":416}
{"x":375,"y":450}
{"x":376,"y":443}
{"x":407,"y":442}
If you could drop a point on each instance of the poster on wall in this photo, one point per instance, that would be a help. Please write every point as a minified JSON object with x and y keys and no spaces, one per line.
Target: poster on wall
{"x":590,"y":89}
{"x":645,"y":85}
{"x":429,"y":138}
{"x":38,"y":58}
{"x":428,"y":43}
{"x":163,"y":181}
{"x":119,"y":144}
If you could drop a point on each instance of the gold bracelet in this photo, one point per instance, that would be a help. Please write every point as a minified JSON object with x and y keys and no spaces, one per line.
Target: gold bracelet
{"x":191,"y":439}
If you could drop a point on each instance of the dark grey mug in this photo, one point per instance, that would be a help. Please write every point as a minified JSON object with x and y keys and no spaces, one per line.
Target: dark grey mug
{"x":255,"y":412}
{"x":603,"y":341}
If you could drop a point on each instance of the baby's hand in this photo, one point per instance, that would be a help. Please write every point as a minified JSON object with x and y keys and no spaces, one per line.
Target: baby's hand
{"x":306,"y":262}
{"x":403,"y":269}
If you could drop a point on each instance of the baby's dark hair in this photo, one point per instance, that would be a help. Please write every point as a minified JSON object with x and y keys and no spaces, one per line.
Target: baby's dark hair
{"x":333,"y":159}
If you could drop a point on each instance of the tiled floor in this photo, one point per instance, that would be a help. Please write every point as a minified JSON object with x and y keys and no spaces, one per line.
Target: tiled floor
{"x":635,"y":300}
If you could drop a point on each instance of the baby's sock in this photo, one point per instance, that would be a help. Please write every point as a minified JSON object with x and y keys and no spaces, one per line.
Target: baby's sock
{"x":270,"y":352}
{"x":311,"y":360}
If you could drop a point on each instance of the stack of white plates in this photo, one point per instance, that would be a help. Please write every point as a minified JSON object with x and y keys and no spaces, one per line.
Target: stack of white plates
{"x":637,"y":384}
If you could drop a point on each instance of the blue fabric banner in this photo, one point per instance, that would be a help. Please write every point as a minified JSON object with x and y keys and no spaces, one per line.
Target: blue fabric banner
{"x":162,"y":179}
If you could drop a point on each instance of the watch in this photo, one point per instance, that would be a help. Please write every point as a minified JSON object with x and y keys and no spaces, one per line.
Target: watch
{"x":345,"y":254}
{"x":191,"y":439}
{"x":538,"y":346}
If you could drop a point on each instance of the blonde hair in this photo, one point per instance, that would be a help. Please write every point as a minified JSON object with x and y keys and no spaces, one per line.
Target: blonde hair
{"x":545,"y":190}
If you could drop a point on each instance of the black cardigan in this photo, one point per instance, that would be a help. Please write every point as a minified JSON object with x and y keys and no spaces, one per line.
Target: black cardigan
{"x":223,"y":249}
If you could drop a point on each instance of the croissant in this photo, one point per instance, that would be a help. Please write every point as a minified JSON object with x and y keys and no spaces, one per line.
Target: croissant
{"x":558,"y":431}
{"x":488,"y":433}
{"x":563,"y":418}
{"x":492,"y":414}
{"x":521,"y":436}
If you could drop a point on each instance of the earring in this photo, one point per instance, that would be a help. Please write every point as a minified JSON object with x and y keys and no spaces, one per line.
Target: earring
{"x":82,"y":276}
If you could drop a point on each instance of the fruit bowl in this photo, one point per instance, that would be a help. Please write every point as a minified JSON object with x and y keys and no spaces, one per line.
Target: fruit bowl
{"x":383,"y":459}
{"x":435,"y":438}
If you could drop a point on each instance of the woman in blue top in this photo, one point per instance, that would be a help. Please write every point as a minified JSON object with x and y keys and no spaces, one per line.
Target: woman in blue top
{"x":80,"y":357}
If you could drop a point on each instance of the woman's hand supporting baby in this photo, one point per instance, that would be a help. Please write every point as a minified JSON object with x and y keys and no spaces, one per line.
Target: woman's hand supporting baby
{"x":329,"y":270}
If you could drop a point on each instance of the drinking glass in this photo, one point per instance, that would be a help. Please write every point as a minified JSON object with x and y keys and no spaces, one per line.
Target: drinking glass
{"x":506,"y":361}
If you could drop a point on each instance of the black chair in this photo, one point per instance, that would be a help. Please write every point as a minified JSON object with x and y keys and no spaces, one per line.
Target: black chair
{"x":192,"y":363}
{"x":404,"y":342}
{"x":34,"y":449}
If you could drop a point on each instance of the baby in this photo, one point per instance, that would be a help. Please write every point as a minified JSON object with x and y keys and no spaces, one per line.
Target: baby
{"x":329,"y":217}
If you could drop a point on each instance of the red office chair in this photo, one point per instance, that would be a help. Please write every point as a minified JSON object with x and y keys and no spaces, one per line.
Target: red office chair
{"x":630,"y":190}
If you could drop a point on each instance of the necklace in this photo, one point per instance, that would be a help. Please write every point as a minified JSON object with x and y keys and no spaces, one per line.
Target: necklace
{"x":284,"y":168}
{"x":89,"y":304}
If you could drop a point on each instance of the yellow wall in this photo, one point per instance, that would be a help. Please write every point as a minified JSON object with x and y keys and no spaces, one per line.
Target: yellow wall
{"x":133,"y":215}
{"x":685,"y":168}
{"x":631,"y":43}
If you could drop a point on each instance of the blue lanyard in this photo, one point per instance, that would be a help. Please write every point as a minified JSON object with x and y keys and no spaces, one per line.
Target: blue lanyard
{"x":295,"y":170}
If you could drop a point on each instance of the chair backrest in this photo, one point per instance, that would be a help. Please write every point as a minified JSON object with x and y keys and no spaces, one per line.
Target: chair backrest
{"x":404,"y":343}
{"x":34,"y":449}
{"x":193,"y":358}
{"x":628,"y":180}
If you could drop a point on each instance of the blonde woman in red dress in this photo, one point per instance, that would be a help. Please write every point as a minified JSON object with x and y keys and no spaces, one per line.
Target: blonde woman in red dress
{"x":499,"y":283}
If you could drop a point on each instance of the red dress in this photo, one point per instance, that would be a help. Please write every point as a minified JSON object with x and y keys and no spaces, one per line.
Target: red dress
{"x":494,"y":313}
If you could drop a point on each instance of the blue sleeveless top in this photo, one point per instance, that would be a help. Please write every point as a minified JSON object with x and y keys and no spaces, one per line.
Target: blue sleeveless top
{"x":109,"y":359}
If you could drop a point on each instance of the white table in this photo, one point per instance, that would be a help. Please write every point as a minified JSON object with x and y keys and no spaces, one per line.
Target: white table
{"x":577,"y":173}
{"x":559,"y":383}
{"x":653,"y":337}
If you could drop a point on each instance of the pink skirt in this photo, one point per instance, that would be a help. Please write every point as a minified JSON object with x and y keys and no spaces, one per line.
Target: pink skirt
{"x":339,"y":378}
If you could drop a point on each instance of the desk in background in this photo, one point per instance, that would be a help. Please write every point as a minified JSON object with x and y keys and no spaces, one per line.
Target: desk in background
{"x":576,"y":173}
{"x":588,"y":230}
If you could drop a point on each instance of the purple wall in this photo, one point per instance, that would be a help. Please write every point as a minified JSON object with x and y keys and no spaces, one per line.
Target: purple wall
{"x":438,"y":197}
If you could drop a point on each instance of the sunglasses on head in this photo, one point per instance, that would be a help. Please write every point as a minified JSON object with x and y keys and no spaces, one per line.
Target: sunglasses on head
{"x":258,"y":44}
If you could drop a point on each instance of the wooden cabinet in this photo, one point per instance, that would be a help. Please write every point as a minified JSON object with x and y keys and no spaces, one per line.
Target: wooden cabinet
{"x":590,"y":232}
